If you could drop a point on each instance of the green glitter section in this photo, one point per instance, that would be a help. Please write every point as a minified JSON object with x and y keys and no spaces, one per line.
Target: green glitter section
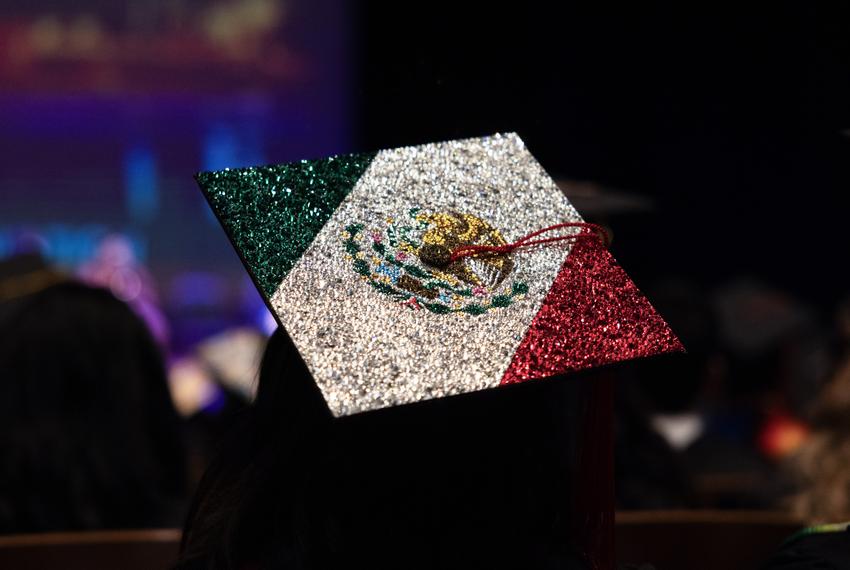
{"x":273,"y":213}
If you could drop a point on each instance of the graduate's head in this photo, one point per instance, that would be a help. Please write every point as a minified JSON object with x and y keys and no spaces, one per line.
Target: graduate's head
{"x":87,"y":428}
{"x":484,"y":478}
{"x":409,"y":283}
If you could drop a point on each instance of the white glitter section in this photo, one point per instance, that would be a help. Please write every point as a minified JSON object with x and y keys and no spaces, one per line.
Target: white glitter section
{"x":365,"y":350}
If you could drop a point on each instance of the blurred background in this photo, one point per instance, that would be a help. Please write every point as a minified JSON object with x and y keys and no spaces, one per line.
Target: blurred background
{"x":713,"y":143}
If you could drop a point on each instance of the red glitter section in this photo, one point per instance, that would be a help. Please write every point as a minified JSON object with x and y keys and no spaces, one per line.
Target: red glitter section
{"x":593,"y":315}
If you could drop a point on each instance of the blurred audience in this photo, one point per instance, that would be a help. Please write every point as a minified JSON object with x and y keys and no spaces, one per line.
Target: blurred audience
{"x":90,"y":437}
{"x":88,"y":433}
{"x":821,"y":467}
{"x":708,"y":429}
{"x":662,"y":415}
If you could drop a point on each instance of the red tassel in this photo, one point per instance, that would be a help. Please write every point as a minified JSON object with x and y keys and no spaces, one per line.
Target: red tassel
{"x":592,"y":231}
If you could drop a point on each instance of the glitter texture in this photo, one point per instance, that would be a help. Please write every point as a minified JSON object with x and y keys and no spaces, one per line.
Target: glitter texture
{"x":353,"y":255}
{"x":409,"y":261}
{"x":272,"y":213}
{"x":594,"y":315}
{"x":365,"y":349}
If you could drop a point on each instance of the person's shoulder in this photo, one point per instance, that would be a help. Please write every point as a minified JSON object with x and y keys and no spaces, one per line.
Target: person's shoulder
{"x":818,"y":547}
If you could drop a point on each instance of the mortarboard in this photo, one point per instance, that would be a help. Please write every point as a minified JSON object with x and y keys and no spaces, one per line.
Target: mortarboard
{"x":427,"y":271}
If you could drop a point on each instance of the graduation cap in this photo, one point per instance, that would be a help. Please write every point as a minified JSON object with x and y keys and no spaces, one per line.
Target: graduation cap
{"x":428,"y":271}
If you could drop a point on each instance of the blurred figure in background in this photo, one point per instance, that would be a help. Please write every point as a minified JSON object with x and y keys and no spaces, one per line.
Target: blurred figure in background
{"x":711,"y":428}
{"x":663,"y":434}
{"x":116,"y":267}
{"x":821,"y":466}
{"x":820,"y":469}
{"x":88,"y":433}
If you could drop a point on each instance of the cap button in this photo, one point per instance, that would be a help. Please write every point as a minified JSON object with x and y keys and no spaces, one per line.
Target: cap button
{"x":435,"y":255}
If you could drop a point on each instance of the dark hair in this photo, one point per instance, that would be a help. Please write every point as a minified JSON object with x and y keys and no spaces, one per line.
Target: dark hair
{"x":480,"y":480}
{"x":88,"y":434}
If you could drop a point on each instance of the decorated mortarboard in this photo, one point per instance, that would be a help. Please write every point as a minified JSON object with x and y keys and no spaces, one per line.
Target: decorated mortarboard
{"x":427,"y":271}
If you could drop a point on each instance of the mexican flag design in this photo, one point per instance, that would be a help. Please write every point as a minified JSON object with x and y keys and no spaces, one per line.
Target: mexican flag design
{"x":358,"y":258}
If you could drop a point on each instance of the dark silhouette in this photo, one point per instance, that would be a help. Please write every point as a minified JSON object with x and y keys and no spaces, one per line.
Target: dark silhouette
{"x":825,"y":550}
{"x":88,"y":434}
{"x":482,"y":480}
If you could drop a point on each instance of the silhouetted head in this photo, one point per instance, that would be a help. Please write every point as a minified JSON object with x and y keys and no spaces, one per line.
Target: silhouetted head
{"x":479,"y":480}
{"x":88,"y":434}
